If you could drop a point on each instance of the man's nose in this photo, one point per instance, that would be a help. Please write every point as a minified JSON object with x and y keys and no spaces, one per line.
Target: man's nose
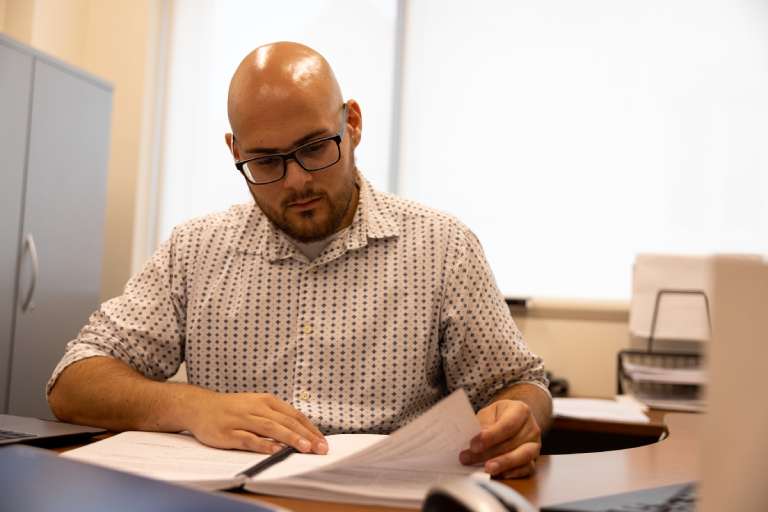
{"x":296,"y":177}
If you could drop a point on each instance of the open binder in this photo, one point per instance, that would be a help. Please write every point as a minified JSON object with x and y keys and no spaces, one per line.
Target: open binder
{"x":395,"y":470}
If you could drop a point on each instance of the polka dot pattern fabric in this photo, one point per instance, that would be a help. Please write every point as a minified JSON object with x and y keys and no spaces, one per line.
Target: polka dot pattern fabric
{"x":392,"y":316}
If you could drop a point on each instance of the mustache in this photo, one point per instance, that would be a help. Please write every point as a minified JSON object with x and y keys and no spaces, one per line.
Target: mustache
{"x":302,"y":196}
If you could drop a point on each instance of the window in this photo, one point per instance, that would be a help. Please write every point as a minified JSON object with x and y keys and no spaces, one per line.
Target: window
{"x":572,"y":135}
{"x":568,"y":135}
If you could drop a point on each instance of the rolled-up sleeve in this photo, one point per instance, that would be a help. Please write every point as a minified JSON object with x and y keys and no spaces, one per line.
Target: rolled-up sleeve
{"x":143,"y":327}
{"x":481,"y":347}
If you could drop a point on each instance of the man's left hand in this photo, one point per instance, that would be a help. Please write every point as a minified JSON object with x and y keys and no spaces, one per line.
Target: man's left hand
{"x":509,"y":442}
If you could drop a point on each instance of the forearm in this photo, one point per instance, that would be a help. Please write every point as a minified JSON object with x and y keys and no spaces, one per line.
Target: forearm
{"x":105,"y":392}
{"x":537,"y":400}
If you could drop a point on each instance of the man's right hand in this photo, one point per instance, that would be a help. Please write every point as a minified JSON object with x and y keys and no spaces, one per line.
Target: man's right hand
{"x":126,"y":400}
{"x":252,"y":421}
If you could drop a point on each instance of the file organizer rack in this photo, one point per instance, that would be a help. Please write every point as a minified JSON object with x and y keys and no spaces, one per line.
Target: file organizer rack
{"x":662,"y":359}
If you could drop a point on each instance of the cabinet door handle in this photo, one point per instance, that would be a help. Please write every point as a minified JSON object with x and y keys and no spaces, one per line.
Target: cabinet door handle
{"x":29,"y":245}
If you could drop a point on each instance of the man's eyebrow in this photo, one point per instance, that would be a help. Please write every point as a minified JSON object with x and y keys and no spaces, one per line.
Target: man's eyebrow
{"x":306,"y":138}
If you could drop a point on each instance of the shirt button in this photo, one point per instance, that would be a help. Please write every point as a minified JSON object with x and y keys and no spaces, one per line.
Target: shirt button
{"x":304,"y":395}
{"x":307,"y":329}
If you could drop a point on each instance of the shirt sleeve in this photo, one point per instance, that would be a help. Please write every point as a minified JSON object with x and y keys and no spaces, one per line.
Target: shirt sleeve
{"x":143,"y":327}
{"x":481,"y":347}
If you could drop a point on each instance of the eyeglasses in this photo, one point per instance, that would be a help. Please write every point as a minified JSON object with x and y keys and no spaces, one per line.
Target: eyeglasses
{"x":313,"y":156}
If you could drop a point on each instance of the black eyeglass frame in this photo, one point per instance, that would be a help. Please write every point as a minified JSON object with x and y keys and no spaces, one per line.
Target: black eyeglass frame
{"x":291,"y":155}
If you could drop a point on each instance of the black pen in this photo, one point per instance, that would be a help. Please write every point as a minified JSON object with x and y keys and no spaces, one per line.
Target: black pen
{"x":270,"y":461}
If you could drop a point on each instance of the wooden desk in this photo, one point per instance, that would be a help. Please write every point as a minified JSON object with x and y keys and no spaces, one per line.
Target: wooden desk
{"x":569,"y":435}
{"x":563,"y":478}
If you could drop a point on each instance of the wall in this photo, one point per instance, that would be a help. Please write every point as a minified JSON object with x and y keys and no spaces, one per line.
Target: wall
{"x":59,"y":28}
{"x":578,"y":341}
{"x":113,"y":40}
{"x":120,"y":48}
{"x":17,"y":19}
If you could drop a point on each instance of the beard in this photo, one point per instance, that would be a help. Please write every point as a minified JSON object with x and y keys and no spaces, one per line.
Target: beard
{"x":313,"y":224}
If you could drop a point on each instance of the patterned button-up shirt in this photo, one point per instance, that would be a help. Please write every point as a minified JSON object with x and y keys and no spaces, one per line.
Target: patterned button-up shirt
{"x":390,"y":317}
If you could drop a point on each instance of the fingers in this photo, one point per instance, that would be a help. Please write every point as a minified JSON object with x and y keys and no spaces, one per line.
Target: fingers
{"x":285,"y":430}
{"x":500,"y":421}
{"x":515,"y":464}
{"x":509,"y":442}
{"x":480,"y":452}
{"x":470,"y":457}
{"x":291,"y":412}
{"x":242,"y":440}
{"x":291,"y":427}
{"x":520,"y":472}
{"x":255,"y":421}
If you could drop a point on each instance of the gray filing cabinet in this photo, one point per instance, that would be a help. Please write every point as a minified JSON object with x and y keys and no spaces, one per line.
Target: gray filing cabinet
{"x":54,"y":141}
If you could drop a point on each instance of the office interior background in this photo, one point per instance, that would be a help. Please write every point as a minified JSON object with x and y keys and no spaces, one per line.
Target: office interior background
{"x":568,"y":135}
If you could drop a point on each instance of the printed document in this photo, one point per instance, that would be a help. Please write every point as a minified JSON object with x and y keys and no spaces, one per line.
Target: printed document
{"x":394,"y":470}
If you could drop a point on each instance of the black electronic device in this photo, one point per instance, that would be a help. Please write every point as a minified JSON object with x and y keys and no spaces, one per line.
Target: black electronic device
{"x":21,"y":429}
{"x":474,"y":495}
{"x":669,"y":498}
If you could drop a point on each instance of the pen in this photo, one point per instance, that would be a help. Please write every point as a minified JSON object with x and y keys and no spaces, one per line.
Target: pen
{"x":269,"y":461}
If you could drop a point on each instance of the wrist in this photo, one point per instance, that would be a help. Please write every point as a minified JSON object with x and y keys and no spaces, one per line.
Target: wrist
{"x":180,"y":407}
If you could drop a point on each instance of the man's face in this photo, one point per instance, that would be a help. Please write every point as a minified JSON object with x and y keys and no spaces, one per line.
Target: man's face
{"x":306,"y":206}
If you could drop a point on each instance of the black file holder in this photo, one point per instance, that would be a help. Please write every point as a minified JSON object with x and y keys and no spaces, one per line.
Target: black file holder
{"x":669,"y":359}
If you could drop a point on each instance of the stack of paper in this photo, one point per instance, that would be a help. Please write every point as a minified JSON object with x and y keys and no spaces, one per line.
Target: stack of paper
{"x":646,"y":373}
{"x":663,"y":387}
{"x":621,"y":411}
{"x":395,"y":470}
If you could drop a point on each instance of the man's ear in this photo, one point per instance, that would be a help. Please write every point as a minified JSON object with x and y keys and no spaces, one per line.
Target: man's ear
{"x":354,"y":122}
{"x":230,"y":140}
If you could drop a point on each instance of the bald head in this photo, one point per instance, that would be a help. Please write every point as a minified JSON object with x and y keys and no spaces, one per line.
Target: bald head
{"x":280,"y":74}
{"x":284,"y":102}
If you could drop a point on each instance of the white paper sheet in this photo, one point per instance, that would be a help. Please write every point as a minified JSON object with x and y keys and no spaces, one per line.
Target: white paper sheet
{"x":339,"y":447}
{"x":601,"y":410}
{"x":400,"y":466}
{"x":173,"y":457}
{"x":646,"y":373}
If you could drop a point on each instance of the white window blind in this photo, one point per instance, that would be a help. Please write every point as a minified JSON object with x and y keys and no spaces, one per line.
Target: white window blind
{"x":571,"y":135}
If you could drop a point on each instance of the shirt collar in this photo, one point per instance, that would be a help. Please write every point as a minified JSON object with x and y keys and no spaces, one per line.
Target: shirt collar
{"x":373,"y":219}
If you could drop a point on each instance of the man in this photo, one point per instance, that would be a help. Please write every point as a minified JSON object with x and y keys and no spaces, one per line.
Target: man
{"x":326,"y":306}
